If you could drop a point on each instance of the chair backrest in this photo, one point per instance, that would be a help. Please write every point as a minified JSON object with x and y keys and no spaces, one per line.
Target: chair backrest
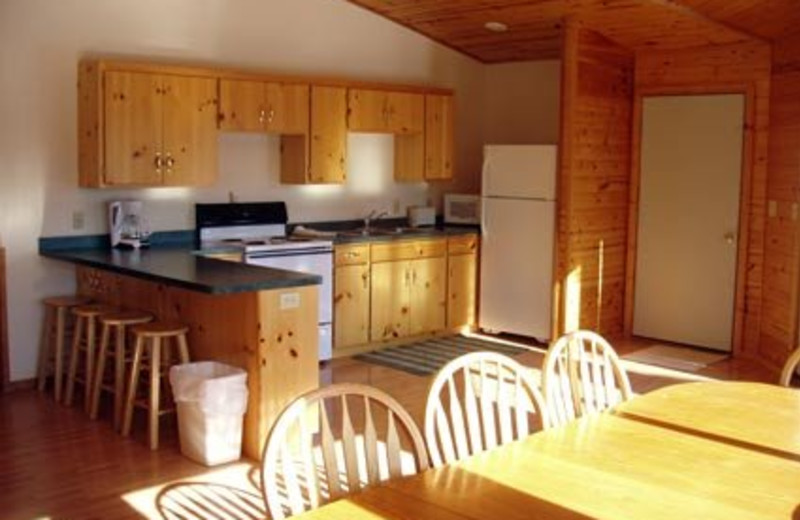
{"x":582,"y":375}
{"x":789,"y":368}
{"x":477,"y":401}
{"x":333,"y":441}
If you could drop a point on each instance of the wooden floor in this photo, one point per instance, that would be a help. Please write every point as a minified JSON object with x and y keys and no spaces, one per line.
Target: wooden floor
{"x":56,"y":463}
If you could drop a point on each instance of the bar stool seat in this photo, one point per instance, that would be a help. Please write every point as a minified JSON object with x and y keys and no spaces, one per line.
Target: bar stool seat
{"x":152,"y":337}
{"x":117,"y":323}
{"x":83,"y":344}
{"x":55,"y":328}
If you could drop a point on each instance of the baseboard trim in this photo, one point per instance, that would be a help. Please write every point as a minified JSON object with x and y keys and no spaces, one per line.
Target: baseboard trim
{"x":21,"y":385}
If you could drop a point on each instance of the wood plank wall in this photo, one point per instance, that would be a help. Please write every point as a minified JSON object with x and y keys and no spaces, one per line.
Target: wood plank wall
{"x":597,"y":93}
{"x":743,"y":67}
{"x":4,"y":359}
{"x":782,"y":243}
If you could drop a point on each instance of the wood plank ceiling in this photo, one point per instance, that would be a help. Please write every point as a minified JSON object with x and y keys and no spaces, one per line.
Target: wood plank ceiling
{"x":535,"y":26}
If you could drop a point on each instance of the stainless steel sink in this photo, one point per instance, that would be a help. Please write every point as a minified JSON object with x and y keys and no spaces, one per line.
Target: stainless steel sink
{"x":381,"y":231}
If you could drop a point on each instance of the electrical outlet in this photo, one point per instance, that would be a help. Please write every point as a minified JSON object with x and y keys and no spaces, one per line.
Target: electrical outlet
{"x":78,"y":219}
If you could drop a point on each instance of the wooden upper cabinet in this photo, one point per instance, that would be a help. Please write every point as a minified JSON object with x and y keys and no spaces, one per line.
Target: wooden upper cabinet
{"x":438,"y":137}
{"x":146,"y":129}
{"x":328,"y":143}
{"x":256,"y":106}
{"x":189,"y":145}
{"x":133,"y":129}
{"x":384,"y":111}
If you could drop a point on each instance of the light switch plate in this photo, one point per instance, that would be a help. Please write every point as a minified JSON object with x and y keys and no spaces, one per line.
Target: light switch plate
{"x":290,"y":301}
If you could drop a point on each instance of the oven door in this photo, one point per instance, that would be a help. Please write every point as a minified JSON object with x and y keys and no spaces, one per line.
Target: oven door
{"x":312,"y":262}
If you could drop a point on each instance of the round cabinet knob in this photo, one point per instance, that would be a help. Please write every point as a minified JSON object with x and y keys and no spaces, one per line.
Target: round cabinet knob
{"x":730,"y":238}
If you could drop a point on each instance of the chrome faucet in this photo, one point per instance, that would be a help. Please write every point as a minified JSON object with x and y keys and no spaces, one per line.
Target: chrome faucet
{"x":373,"y":215}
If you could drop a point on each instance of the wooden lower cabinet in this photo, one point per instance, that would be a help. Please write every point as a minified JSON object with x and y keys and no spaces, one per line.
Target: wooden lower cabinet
{"x":351,"y":305}
{"x":462,"y":281}
{"x":408,"y":298}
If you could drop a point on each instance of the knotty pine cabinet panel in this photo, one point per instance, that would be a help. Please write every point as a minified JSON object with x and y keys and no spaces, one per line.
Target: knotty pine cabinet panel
{"x":322,"y":158}
{"x":439,"y":130}
{"x":256,"y":106}
{"x":385,"y":111}
{"x":140,"y":128}
{"x":390,"y":301}
{"x":427,"y":297}
{"x":462,"y":281}
{"x":351,"y":294}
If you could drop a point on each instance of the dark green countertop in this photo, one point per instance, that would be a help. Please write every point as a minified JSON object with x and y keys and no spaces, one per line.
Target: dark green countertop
{"x":180,"y":267}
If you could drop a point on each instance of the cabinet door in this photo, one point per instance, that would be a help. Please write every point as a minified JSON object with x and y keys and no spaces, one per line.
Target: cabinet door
{"x":133,"y":113}
{"x":286,"y":108}
{"x":461,"y":296}
{"x":427,"y":299}
{"x":241,"y":106}
{"x":328,"y":147}
{"x":438,"y":137}
{"x":367,"y":110}
{"x":190,"y":131}
{"x":405,"y":112}
{"x":390,"y":300}
{"x":351,"y":305}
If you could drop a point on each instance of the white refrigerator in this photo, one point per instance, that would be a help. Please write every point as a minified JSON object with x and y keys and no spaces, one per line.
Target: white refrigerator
{"x":518,"y":205}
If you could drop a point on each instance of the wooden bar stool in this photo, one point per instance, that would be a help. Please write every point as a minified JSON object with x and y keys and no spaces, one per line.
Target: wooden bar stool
{"x":117,"y":323}
{"x":54,"y":333}
{"x":83,"y":344}
{"x":150,"y":336}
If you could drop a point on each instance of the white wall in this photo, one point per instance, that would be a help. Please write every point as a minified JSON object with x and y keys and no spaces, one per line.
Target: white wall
{"x":41,"y":42}
{"x":522,"y":103}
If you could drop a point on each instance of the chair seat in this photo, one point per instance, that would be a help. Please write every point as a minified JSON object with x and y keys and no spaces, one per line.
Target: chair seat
{"x":126,"y":318}
{"x":66,"y":301}
{"x":93,"y":310}
{"x":160,"y":329}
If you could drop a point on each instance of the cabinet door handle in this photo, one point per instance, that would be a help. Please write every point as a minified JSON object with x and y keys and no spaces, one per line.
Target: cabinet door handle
{"x":414,"y":277}
{"x":271,"y":115}
{"x":406,"y":277}
{"x":170,"y":161}
{"x":365,"y":279}
{"x":158,"y":162}
{"x":261,"y":115}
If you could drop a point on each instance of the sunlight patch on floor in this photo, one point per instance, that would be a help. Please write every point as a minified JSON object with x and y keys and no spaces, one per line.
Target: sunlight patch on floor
{"x":230,"y":491}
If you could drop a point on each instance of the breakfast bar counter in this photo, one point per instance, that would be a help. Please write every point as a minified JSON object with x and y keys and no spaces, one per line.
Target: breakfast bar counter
{"x":260,"y":319}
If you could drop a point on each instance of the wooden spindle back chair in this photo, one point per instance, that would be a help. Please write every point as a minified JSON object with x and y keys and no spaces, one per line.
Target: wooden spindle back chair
{"x":477,"y":402}
{"x":334,"y":441}
{"x":789,"y":368}
{"x":582,"y":375}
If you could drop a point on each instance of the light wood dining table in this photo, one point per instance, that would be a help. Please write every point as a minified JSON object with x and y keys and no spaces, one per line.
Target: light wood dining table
{"x":690,"y":451}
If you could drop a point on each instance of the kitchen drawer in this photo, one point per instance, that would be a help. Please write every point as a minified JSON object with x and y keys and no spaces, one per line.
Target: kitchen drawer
{"x":463,"y":244}
{"x":408,"y":250}
{"x":356,"y":254}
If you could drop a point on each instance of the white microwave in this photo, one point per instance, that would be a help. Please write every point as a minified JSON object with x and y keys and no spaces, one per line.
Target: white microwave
{"x":462,"y":209}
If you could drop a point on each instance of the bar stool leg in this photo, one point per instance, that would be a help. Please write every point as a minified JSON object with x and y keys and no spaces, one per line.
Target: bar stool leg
{"x":132,"y":384}
{"x":155,"y":383}
{"x":119,"y":376}
{"x":90,"y":359}
{"x":61,"y":325}
{"x":97,"y":379}
{"x":73,"y":361}
{"x":183,"y":348}
{"x":44,"y":347}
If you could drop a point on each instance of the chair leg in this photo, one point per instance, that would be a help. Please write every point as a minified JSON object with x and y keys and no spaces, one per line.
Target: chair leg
{"x":119,"y":376}
{"x":97,"y":379}
{"x":44,"y":348}
{"x":132,"y":384}
{"x":73,"y":360}
{"x":90,"y":359}
{"x":61,"y":325}
{"x":155,"y":382}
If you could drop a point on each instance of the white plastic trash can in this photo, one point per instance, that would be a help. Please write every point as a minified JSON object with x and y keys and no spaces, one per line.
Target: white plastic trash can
{"x":211,"y":399}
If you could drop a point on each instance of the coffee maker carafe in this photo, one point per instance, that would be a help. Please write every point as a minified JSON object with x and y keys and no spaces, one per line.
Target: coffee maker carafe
{"x":127,"y":224}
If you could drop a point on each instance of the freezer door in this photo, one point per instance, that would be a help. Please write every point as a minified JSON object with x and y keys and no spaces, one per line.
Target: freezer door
{"x":520,"y":171}
{"x":517,"y":267}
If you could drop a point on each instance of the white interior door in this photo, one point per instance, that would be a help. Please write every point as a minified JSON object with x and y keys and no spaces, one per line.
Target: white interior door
{"x":691,"y":162}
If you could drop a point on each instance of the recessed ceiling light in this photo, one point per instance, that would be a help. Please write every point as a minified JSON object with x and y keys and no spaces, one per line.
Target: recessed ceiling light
{"x":496,"y":26}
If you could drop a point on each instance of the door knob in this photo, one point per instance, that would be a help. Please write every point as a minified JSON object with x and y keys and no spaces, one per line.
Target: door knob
{"x":729,"y":237}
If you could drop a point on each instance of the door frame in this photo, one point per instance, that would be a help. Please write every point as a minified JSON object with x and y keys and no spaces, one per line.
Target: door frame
{"x":5,"y":381}
{"x":747,"y":209}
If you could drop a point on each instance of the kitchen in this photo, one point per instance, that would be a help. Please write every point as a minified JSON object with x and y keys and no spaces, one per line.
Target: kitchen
{"x":508,"y":103}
